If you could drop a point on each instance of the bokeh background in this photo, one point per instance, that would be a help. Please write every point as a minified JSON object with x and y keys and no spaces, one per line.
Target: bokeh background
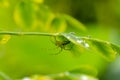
{"x":28,"y":55}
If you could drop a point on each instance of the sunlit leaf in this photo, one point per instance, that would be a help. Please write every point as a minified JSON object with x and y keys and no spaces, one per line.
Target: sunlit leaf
{"x":29,"y":55}
{"x":116,"y":48}
{"x":79,"y":45}
{"x":44,"y":17}
{"x":24,"y":15}
{"x":102,"y":47}
{"x":106,"y":49}
{"x":74,"y":24}
{"x":58,"y":24}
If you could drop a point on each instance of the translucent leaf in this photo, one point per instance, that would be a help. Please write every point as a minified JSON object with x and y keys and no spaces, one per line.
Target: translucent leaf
{"x":116,"y":48}
{"x":58,"y":24}
{"x":25,"y":47}
{"x":44,"y":17}
{"x":102,"y":47}
{"x":75,"y":39}
{"x":73,"y":46}
{"x":106,"y":49}
{"x":24,"y":15}
{"x":74,"y":24}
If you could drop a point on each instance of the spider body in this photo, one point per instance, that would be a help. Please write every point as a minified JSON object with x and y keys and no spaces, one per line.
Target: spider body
{"x":62,"y":44}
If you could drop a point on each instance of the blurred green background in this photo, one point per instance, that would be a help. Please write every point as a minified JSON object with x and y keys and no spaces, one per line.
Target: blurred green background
{"x":29,"y":55}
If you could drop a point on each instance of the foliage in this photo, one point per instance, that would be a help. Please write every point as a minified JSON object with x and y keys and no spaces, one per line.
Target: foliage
{"x":28,"y":45}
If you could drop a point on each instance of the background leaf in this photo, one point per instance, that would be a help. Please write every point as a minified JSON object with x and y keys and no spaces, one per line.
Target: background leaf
{"x":24,"y":14}
{"x":73,"y":24}
{"x":58,"y":24}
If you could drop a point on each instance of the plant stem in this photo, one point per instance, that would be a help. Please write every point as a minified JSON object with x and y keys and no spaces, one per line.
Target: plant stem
{"x":28,"y":33}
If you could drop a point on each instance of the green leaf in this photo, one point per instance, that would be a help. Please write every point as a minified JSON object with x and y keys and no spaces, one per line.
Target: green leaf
{"x":103,"y":48}
{"x":116,"y":48}
{"x":58,"y":24}
{"x":24,"y":14}
{"x":106,"y":49}
{"x":74,"y":24}
{"x":44,"y":17}
{"x":41,"y":46}
{"x":44,"y":13}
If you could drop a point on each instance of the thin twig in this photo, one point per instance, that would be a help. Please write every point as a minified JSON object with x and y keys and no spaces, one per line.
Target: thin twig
{"x":27,"y":33}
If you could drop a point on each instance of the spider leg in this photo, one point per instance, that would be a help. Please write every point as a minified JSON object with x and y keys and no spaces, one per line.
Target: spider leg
{"x":53,"y":39}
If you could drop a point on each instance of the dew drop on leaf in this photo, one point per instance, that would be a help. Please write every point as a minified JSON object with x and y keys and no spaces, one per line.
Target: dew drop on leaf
{"x":80,"y":41}
{"x":86,"y":45}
